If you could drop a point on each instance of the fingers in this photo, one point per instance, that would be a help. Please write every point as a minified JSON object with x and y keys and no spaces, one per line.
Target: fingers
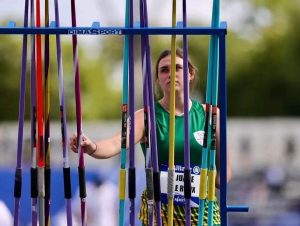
{"x":73,"y":142}
{"x":85,"y":143}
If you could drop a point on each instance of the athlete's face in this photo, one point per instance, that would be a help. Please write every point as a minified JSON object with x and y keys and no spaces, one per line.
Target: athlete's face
{"x":164,"y":74}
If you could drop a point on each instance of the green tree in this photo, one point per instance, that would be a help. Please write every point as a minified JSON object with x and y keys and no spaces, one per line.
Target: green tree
{"x":262,"y":67}
{"x":263,"y":73}
{"x":10,"y":61}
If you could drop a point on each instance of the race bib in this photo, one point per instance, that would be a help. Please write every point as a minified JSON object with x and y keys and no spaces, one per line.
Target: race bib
{"x":179,"y":199}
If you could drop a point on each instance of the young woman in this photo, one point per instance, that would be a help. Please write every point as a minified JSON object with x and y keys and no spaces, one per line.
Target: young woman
{"x":110,"y":147}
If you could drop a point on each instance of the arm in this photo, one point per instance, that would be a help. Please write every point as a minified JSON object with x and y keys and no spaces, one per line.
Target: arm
{"x":110,"y":147}
{"x":228,"y":164}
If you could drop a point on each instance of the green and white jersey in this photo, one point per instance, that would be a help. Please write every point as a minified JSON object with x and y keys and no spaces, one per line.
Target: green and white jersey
{"x":197,"y":118}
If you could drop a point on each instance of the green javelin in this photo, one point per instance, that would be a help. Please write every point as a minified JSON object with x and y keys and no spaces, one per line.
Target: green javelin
{"x":211,"y":100}
{"x":124,"y":123}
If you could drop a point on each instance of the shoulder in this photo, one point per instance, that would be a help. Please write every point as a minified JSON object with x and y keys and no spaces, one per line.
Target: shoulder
{"x":198,"y":110}
{"x":196,"y":105}
{"x":139,"y":115}
{"x":158,"y":107}
{"x":139,"y":112}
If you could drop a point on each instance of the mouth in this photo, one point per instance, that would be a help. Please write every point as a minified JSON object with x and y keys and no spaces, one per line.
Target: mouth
{"x":176,"y":82}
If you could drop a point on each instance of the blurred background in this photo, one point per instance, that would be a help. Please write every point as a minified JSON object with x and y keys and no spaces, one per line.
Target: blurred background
{"x":263,"y":74}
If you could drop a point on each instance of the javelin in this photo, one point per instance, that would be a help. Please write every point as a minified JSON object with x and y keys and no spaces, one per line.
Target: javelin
{"x":214,"y":44}
{"x":122,"y":173}
{"x":172,"y":122}
{"x":132,"y":172}
{"x":187,"y":161}
{"x":18,"y":172}
{"x":47,"y":120}
{"x":81,"y":169}
{"x":62,"y":109}
{"x":40,"y":131}
{"x":153,"y":141}
{"x":148,"y":165}
{"x":210,"y":133}
{"x":33,"y":172}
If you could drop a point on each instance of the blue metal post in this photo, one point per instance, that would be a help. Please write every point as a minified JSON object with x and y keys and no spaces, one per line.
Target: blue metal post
{"x":223,"y":132}
{"x":223,"y":128}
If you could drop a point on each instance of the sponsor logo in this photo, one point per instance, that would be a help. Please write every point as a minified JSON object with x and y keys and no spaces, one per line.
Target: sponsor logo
{"x":196,"y":170}
{"x":95,"y":31}
{"x":199,"y":135}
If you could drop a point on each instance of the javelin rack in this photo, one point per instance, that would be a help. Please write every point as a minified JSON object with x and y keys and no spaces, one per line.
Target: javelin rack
{"x":96,"y":29}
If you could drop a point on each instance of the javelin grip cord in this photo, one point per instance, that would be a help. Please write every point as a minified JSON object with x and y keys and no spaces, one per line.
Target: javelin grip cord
{"x":82,"y":188}
{"x":67,"y":183}
{"x":131,"y":183}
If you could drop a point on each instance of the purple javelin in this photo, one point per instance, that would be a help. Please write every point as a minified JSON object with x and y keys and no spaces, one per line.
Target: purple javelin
{"x":62,"y":108}
{"x":187,"y":171}
{"x":34,"y":192}
{"x":154,"y":152}
{"x":148,"y":165}
{"x":131,"y":179}
{"x":18,"y":172}
{"x":81,"y":169}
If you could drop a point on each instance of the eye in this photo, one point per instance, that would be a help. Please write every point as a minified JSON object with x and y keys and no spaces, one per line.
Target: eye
{"x":164,"y":70}
{"x":179,"y":67}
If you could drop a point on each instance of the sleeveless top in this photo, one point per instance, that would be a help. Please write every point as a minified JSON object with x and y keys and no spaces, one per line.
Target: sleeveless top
{"x":197,"y":118}
{"x":196,"y":115}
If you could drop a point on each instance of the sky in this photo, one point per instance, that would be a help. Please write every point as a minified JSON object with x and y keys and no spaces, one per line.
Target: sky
{"x":111,"y":12}
{"x":236,"y":13}
{"x":108,"y":12}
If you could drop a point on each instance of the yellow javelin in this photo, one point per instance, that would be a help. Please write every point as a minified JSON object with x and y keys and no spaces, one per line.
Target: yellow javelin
{"x":172,"y":122}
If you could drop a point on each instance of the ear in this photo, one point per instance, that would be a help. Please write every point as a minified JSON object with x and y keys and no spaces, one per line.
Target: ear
{"x":191,"y":76}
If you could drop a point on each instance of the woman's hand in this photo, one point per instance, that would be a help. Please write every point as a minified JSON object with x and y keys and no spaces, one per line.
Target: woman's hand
{"x":87,"y":144}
